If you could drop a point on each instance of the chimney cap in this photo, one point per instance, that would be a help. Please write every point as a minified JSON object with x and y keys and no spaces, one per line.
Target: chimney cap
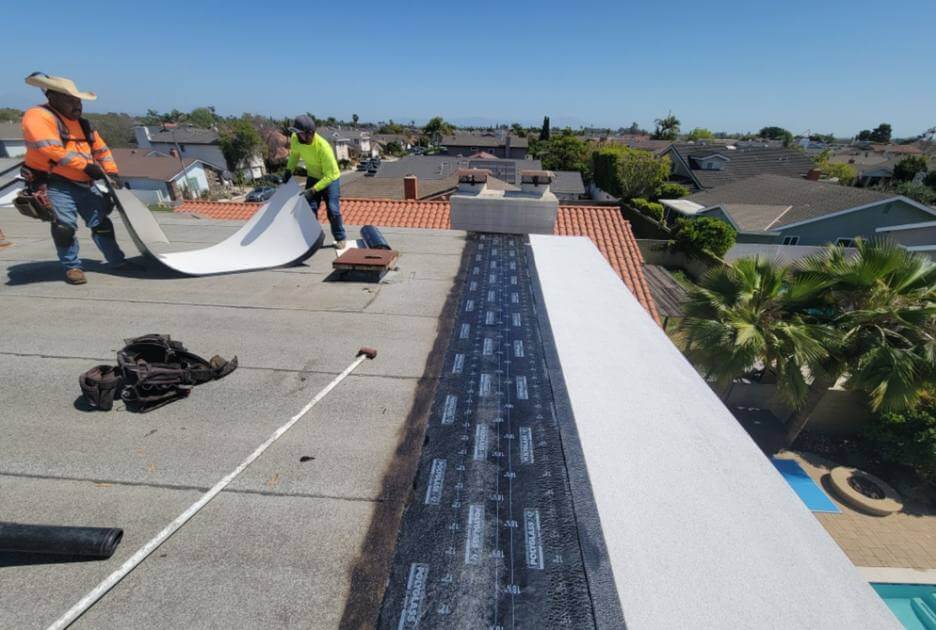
{"x":536,"y":177}
{"x":472,"y":175}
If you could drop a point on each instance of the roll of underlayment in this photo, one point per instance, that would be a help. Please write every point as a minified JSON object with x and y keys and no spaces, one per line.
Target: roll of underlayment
{"x":373,"y":238}
{"x":91,"y":542}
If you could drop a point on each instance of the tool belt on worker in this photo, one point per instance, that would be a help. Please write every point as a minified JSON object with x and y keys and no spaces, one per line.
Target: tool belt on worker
{"x":151,"y":371}
{"x":33,"y":200}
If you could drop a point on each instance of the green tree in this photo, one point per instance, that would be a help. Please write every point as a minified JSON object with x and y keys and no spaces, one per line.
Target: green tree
{"x":202,"y":117}
{"x":10,"y":114}
{"x":627,"y":173}
{"x":906,"y":169}
{"x":518,"y":130}
{"x":239,"y":140}
{"x":544,"y":131}
{"x":436,"y":128}
{"x":354,"y":119}
{"x":882,"y":304}
{"x":391,"y":128}
{"x":699,"y":236}
{"x":844,"y":173}
{"x":652,"y":209}
{"x":666,"y":128}
{"x":116,"y":129}
{"x":700,"y":133}
{"x":671,"y":190}
{"x":566,"y":152}
{"x":907,"y":437}
{"x":754,"y":312}
{"x":776,"y":133}
{"x":881,"y":133}
{"x":931,"y":180}
{"x":917,"y":192}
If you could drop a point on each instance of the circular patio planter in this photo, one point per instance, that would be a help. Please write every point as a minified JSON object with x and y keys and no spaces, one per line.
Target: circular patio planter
{"x":863,"y":491}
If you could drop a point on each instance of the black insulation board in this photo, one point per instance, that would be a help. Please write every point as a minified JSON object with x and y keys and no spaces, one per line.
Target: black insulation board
{"x":489,"y":538}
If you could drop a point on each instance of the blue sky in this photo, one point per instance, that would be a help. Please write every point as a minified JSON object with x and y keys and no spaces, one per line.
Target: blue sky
{"x":737,"y":65}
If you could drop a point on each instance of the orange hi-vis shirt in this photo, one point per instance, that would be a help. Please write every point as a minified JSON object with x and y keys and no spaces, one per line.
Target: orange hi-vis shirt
{"x":57,"y":145}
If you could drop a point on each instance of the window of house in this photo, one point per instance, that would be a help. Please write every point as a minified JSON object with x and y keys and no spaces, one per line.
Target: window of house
{"x":790,"y":240}
{"x":845,"y":242}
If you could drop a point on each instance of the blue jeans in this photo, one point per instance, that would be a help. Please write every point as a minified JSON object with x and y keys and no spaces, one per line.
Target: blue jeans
{"x":331,"y":195}
{"x":71,"y":200}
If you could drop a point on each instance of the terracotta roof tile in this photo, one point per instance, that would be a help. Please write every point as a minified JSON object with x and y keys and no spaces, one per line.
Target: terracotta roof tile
{"x":604,"y":225}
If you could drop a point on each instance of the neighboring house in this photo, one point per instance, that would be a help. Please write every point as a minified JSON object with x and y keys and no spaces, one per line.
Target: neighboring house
{"x":357,"y":186}
{"x":797,"y":211}
{"x":349,"y":143}
{"x":634,"y":141}
{"x":198,"y":144}
{"x":10,"y":183}
{"x":506,"y":145}
{"x":159,"y":178}
{"x":429,"y":169}
{"x":704,"y":165}
{"x":917,"y":237}
{"x":11,"y":140}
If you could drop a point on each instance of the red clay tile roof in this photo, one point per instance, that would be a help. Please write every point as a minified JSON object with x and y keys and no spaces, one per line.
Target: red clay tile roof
{"x":604,"y":225}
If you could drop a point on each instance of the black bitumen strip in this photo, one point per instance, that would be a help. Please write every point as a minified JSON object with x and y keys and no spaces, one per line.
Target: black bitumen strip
{"x":490,"y":538}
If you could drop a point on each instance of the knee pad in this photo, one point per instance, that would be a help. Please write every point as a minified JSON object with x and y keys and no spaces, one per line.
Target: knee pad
{"x":104,"y":228}
{"x":63,"y":235}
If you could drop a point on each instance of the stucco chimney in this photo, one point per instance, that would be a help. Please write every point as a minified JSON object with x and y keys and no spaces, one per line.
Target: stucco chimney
{"x":410,"y":187}
{"x":535,"y":182}
{"x":472,"y":180}
{"x":476,"y":208}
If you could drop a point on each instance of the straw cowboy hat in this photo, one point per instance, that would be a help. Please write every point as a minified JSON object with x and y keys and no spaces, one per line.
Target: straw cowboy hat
{"x":58,"y":84}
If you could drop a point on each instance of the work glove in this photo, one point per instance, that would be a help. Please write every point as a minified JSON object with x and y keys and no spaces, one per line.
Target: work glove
{"x":94,"y":171}
{"x":287,"y":176}
{"x":310,"y":194}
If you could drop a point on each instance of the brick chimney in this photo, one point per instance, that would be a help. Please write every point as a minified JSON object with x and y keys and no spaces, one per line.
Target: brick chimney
{"x":814,"y":174}
{"x":410,"y":187}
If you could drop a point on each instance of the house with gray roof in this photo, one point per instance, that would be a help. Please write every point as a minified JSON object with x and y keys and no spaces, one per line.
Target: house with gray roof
{"x":704,"y":165}
{"x":430,"y":169}
{"x":501,"y":145}
{"x":197,"y":144}
{"x":796,"y":211}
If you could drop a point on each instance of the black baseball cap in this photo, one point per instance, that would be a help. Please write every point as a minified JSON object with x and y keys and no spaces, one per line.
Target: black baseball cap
{"x":303,"y":124}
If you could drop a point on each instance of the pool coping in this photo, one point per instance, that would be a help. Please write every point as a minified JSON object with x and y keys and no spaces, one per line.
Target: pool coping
{"x":893,"y":575}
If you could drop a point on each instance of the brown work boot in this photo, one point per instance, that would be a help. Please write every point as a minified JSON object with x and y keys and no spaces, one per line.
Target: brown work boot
{"x":75,"y":276}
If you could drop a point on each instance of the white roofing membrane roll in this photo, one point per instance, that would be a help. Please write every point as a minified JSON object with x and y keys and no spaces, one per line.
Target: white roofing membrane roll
{"x":283,"y":231}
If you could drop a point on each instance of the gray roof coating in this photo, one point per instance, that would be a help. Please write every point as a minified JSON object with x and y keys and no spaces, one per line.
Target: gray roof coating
{"x":298,"y":544}
{"x":808,"y":199}
{"x":743,"y":162}
{"x":700,"y":529}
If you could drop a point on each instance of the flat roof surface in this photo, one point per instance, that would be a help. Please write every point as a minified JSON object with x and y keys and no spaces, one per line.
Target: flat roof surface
{"x":290,"y":543}
{"x":701,"y":530}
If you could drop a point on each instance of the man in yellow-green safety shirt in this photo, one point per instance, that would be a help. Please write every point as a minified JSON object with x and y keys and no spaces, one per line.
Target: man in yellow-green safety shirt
{"x":322,"y":182}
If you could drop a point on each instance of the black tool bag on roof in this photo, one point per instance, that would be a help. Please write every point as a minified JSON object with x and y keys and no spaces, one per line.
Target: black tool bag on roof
{"x":152,"y":371}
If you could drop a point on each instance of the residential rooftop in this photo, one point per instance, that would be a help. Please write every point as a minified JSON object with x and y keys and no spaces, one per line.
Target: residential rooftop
{"x":147,"y":164}
{"x":482,"y":140}
{"x":604,"y":225}
{"x":736,"y":163}
{"x":775,"y":201}
{"x":677,"y":515}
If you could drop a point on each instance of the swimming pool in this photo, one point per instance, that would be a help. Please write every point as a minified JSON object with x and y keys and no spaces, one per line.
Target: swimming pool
{"x":913,"y":604}
{"x":811,"y":494}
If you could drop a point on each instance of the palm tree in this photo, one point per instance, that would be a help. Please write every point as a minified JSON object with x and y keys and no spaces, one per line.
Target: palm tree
{"x":882,"y":303}
{"x":869,"y":318}
{"x":753,"y":313}
{"x":436,"y":128}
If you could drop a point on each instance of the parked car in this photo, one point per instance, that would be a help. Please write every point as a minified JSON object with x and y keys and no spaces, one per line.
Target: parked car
{"x":272,"y":178}
{"x":260,"y":193}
